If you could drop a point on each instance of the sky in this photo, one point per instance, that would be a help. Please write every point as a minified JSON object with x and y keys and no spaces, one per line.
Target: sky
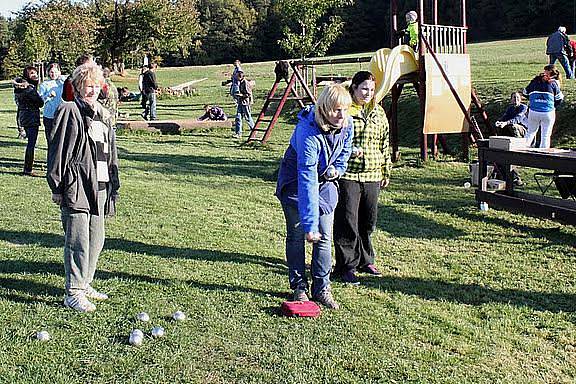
{"x":6,"y":6}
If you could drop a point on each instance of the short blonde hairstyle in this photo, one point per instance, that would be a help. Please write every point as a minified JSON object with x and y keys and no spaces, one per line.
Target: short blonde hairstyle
{"x":87,"y":72}
{"x":332,"y":97}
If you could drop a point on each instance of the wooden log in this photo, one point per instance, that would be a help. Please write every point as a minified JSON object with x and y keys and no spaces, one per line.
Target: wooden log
{"x":174,"y":127}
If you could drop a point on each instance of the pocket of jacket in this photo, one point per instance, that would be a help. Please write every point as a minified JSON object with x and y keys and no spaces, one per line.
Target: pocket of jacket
{"x":71,"y":189}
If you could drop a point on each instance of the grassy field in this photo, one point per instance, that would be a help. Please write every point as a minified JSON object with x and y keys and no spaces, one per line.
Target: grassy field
{"x":467,"y":296}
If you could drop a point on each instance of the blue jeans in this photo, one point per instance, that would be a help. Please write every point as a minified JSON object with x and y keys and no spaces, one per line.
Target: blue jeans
{"x":150,"y":105}
{"x":564,"y":61}
{"x":242,"y":111}
{"x":296,"y":255}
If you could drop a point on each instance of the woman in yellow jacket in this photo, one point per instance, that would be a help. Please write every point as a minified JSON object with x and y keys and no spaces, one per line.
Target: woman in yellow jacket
{"x":368,"y":172}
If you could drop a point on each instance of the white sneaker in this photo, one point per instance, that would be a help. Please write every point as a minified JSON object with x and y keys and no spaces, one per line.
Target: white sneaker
{"x":93,"y":294}
{"x":80,"y":303}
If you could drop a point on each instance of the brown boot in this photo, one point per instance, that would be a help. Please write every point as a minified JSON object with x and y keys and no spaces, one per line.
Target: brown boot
{"x":28,"y":163}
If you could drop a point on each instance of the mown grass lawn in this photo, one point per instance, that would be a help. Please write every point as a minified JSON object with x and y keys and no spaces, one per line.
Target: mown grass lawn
{"x":466,"y":297}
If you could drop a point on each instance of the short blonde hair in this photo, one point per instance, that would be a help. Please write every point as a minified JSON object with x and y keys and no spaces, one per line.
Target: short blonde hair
{"x":87,"y":72}
{"x":332,"y":97}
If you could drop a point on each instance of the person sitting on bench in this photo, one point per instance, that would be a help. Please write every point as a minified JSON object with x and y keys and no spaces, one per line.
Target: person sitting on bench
{"x":213,"y":112}
{"x":513,"y":122}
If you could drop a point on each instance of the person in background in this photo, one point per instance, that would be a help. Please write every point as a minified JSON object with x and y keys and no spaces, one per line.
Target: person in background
{"x":368,"y":172}
{"x":143,"y":99}
{"x":513,"y":123}
{"x":558,"y":48}
{"x":572,"y":56}
{"x":317,"y":156}
{"x":83,"y":177}
{"x":29,"y":103}
{"x":149,"y":89}
{"x":109,"y":96}
{"x":68,"y":93}
{"x":235,"y":82}
{"x":213,"y":112}
{"x":410,"y":33}
{"x":545,"y":96}
{"x":126,"y":95}
{"x":243,"y":110}
{"x":51,"y":92}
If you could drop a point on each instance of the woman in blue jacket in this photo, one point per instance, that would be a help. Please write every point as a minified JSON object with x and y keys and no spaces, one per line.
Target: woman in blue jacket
{"x":51,"y":92}
{"x":545,"y":96}
{"x":307,"y":188}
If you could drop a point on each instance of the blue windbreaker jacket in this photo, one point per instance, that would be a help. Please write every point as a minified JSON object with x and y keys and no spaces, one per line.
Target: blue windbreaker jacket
{"x":310,"y":153}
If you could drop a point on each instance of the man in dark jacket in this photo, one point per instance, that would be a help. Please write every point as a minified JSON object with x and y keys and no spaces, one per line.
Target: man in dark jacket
{"x":149,"y":88}
{"x":558,"y":48}
{"x":29,"y":104}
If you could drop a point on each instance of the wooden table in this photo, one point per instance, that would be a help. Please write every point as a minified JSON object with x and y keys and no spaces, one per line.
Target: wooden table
{"x":554,"y":159}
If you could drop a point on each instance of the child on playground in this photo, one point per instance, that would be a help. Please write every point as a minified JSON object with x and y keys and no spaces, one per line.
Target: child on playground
{"x":244,"y":99}
{"x":410,"y":33}
{"x":214,"y":113}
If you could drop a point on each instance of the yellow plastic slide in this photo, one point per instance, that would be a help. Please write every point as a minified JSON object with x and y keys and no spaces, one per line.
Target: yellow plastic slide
{"x":388,"y":65}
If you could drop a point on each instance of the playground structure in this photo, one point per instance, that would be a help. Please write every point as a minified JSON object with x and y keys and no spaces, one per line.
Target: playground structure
{"x":439,"y":72}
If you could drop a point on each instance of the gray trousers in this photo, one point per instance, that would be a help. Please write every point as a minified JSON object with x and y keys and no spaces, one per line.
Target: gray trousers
{"x":83,"y":242}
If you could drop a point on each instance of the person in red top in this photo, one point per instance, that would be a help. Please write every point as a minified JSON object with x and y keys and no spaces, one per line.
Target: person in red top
{"x":68,"y":93}
{"x":572,"y":54}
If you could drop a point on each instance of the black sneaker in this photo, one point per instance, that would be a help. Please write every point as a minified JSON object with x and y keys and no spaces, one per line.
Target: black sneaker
{"x":518,"y":182}
{"x":371,"y":270}
{"x":350,"y":277}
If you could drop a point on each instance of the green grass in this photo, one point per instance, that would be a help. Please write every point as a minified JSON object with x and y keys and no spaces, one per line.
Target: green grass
{"x":466,"y":297}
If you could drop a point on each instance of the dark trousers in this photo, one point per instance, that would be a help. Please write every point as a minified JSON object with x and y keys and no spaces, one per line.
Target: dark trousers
{"x":48,"y":125}
{"x":31,"y":135}
{"x":354,"y":221}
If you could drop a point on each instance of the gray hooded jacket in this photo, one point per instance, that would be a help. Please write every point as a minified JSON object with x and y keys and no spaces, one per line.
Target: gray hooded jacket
{"x":72,"y":158}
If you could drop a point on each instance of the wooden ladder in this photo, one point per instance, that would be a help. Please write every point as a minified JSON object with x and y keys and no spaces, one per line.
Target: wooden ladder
{"x":275,"y":104}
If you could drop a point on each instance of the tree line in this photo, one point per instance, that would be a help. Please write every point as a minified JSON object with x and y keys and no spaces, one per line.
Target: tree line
{"x":192,"y":32}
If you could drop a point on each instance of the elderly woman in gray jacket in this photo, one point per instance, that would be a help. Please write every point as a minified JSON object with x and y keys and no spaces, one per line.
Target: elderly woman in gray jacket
{"x":83,"y":177}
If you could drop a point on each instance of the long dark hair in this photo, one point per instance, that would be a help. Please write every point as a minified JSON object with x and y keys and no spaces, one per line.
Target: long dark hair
{"x":554,"y":72}
{"x":359,"y":78}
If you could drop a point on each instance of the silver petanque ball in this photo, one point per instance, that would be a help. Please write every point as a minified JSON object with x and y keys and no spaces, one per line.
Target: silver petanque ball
{"x":143,"y":316}
{"x":157,"y":332}
{"x":135,"y":340}
{"x":331,"y":172}
{"x":43,"y":335}
{"x":467,"y":185}
{"x":179,"y":316}
{"x":137,"y":332}
{"x":136,"y":337}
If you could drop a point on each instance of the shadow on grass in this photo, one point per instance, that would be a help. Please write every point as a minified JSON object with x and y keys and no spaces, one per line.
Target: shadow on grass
{"x":473,"y":294}
{"x":411,"y":223}
{"x":406,"y":224}
{"x":235,"y":288}
{"x":51,"y":240}
{"x":204,"y":165}
{"x":30,"y":291}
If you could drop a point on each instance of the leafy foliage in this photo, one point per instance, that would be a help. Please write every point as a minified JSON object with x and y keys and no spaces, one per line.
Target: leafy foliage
{"x":309,"y":26}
